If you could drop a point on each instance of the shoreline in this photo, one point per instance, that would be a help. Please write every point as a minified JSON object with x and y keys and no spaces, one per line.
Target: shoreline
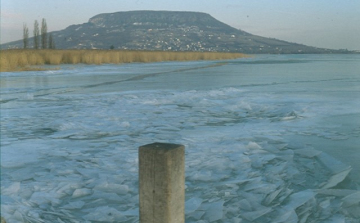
{"x":26,"y":59}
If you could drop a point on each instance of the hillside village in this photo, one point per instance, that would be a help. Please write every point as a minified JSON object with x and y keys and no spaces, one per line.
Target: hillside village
{"x":167,"y":31}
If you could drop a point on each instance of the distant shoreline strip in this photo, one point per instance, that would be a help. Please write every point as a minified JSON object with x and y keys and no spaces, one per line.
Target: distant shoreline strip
{"x":30,"y":59}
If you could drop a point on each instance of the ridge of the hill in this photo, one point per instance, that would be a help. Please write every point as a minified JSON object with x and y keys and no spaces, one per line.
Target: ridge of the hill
{"x":166,"y":30}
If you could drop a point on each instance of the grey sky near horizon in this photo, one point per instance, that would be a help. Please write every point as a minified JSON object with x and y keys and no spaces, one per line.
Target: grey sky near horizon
{"x":333,"y":24}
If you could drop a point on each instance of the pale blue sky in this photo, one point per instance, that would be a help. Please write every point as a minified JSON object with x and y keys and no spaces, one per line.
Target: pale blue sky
{"x":322,"y":23}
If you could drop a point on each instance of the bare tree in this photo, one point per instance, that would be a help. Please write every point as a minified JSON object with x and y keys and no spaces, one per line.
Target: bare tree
{"x":36,"y":34}
{"x":25,"y":36}
{"x":44,"y":38}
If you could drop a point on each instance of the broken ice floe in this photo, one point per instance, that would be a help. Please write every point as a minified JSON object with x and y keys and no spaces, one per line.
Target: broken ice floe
{"x":336,"y":179}
{"x":73,"y":158}
{"x":251,"y":186}
{"x":352,"y":199}
{"x":192,"y":204}
{"x":213,"y":211}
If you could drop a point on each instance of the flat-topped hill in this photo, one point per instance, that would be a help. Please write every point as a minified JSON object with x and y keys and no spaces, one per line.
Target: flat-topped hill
{"x":166,"y":30}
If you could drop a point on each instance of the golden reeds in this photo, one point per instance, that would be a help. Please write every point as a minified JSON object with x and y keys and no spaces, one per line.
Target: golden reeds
{"x":17,"y":60}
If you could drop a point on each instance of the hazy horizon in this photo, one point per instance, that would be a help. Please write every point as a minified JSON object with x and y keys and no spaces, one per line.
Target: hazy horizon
{"x":329,"y":24}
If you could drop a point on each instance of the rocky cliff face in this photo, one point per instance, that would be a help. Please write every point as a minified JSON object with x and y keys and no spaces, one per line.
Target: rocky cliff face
{"x":166,"y":30}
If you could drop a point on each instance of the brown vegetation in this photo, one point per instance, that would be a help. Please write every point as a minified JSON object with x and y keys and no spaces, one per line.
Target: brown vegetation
{"x":17,"y":60}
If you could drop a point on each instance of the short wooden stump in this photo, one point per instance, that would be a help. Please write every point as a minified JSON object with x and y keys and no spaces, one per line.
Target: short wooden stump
{"x":162,"y":183}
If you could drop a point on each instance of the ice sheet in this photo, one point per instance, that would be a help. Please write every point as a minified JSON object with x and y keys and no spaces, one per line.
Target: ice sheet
{"x":300,"y":198}
{"x":69,"y":145}
{"x":253,"y":215}
{"x":352,"y":199}
{"x":336,"y":179}
{"x":214,"y":211}
{"x":330,"y":162}
{"x":192,"y":204}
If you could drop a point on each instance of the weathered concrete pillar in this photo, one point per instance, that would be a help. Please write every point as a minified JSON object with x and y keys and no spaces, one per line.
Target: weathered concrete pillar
{"x":162,"y":183}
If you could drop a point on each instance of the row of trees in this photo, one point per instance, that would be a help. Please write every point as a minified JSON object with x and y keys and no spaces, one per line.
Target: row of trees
{"x":40,"y":36}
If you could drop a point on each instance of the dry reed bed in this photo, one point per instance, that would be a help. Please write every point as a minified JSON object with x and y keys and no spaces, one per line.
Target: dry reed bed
{"x":17,"y":60}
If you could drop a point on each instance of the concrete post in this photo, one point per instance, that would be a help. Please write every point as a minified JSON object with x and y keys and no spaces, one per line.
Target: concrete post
{"x":162,"y":183}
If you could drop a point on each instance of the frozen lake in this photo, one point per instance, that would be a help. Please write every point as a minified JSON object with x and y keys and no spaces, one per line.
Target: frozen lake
{"x":274,"y":138}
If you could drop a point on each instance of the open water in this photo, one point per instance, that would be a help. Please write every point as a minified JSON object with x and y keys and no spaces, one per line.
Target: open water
{"x":274,"y":138}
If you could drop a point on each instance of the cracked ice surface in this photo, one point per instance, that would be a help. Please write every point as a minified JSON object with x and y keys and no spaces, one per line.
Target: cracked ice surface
{"x":72,"y":157}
